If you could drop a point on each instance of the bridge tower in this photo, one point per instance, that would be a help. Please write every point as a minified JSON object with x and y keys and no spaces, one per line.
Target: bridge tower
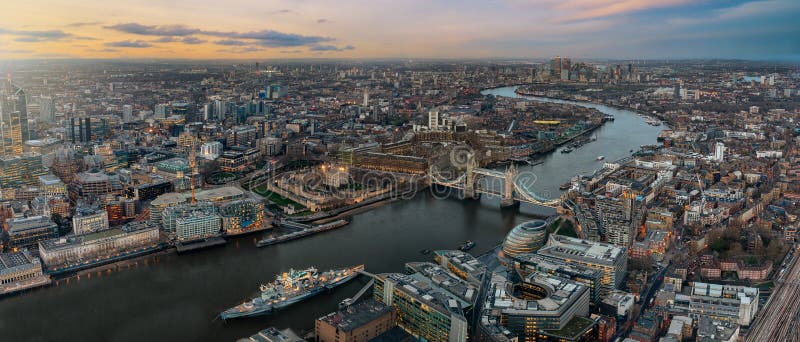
{"x":469,"y":179}
{"x":508,"y":187}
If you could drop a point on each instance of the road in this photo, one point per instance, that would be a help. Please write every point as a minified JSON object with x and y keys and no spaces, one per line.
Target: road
{"x":644,"y":301}
{"x":779,"y":320}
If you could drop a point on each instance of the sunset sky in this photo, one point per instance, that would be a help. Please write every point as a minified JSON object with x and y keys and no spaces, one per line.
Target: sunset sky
{"x":208,"y":29}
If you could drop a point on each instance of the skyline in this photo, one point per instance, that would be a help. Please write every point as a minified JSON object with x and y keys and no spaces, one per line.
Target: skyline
{"x":624,"y":29}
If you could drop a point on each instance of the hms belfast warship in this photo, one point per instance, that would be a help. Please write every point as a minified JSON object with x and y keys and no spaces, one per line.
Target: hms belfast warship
{"x":291,"y":287}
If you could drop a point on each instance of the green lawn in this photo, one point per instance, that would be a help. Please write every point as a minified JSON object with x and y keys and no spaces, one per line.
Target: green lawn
{"x":567,"y":229}
{"x":562,"y":227}
{"x":277,"y":199}
{"x":221,"y":177}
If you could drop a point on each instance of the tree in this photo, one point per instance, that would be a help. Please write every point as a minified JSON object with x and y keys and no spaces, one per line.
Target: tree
{"x":776,"y":249}
{"x":56,"y":217}
{"x":735,"y":250}
{"x":643,"y":264}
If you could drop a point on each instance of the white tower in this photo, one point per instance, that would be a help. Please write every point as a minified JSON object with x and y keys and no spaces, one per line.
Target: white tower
{"x":366,"y":98}
{"x":433,"y":119}
{"x":220,"y":108}
{"x":127,"y":113}
{"x":719,"y":152}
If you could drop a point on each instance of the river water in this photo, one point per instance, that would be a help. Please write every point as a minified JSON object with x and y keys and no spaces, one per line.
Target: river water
{"x":177,"y":297}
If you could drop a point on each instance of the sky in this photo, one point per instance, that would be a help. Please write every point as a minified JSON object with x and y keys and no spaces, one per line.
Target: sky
{"x":267,"y":29}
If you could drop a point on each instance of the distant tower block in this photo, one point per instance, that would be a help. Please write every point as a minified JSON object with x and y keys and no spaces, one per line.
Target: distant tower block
{"x":433,"y":119}
{"x":719,"y":152}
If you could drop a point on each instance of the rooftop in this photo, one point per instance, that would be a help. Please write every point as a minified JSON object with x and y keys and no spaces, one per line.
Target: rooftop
{"x":169,"y":199}
{"x":574,"y":248}
{"x":218,"y":194}
{"x":561,"y":293}
{"x":710,"y":329}
{"x":446,"y":280}
{"x":576,"y":326}
{"x":356,"y":315}
{"x":463,"y":261}
{"x":424,"y":290}
{"x":393,"y":335}
{"x":33,"y":222}
{"x":92,"y":176}
{"x":15,"y":259}
{"x":73,"y":240}
{"x":273,"y":335}
{"x":49,"y":179}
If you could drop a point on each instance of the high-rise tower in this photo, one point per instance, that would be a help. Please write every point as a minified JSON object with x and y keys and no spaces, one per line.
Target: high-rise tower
{"x":13,"y":119}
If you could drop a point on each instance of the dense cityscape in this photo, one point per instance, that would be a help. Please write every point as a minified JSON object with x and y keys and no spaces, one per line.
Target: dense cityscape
{"x":598,"y":200}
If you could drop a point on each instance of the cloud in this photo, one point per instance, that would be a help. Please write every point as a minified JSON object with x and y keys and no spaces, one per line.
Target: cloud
{"x":15,"y":51}
{"x":758,"y":8}
{"x":330,"y":48}
{"x":322,"y":21}
{"x":129,"y":44}
{"x":155,"y":30}
{"x":577,"y":10}
{"x":231,"y":42}
{"x":266,"y":38}
{"x":748,"y":10}
{"x":82,"y":24}
{"x":29,"y":39}
{"x":282,"y":11}
{"x":251,"y":49}
{"x":54,"y":55}
{"x":193,"y":40}
{"x":167,"y":39}
{"x":291,"y":51}
{"x":186,"y":40}
{"x":26,"y":36}
{"x":270,"y":38}
{"x":247,"y":49}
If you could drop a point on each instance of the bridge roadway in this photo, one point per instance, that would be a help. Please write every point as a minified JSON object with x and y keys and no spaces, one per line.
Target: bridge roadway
{"x":510,"y":193}
{"x":778,"y":321}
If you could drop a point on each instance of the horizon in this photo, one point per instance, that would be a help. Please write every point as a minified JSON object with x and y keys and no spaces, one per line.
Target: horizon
{"x":762,"y":30}
{"x":491,"y":60}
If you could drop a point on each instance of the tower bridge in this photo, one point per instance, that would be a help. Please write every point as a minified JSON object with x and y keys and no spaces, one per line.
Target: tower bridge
{"x":475,"y":181}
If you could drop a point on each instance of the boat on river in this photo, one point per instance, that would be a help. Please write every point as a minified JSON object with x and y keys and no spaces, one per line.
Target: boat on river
{"x":291,"y":287}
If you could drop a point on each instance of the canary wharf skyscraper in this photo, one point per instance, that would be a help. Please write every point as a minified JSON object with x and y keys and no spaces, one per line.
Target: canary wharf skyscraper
{"x":13,"y":119}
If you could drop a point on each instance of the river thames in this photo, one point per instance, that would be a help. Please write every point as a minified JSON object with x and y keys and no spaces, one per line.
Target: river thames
{"x":177,"y":297}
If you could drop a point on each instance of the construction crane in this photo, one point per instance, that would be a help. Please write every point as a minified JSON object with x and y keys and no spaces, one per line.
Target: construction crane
{"x":193,"y":167}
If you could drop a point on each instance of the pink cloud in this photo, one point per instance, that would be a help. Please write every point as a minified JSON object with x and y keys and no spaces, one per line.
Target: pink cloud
{"x":575,"y":10}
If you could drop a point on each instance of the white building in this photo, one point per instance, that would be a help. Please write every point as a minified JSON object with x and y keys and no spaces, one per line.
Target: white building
{"x":220,"y":109}
{"x":71,"y":250}
{"x":161,"y":111}
{"x":433,"y":119}
{"x":83,"y":223}
{"x":20,"y":270}
{"x":737,"y":304}
{"x":47,"y":109}
{"x":610,"y":260}
{"x":769,"y":154}
{"x":211,"y":150}
{"x":127,"y":113}
{"x":198,"y":226}
{"x":719,"y":152}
